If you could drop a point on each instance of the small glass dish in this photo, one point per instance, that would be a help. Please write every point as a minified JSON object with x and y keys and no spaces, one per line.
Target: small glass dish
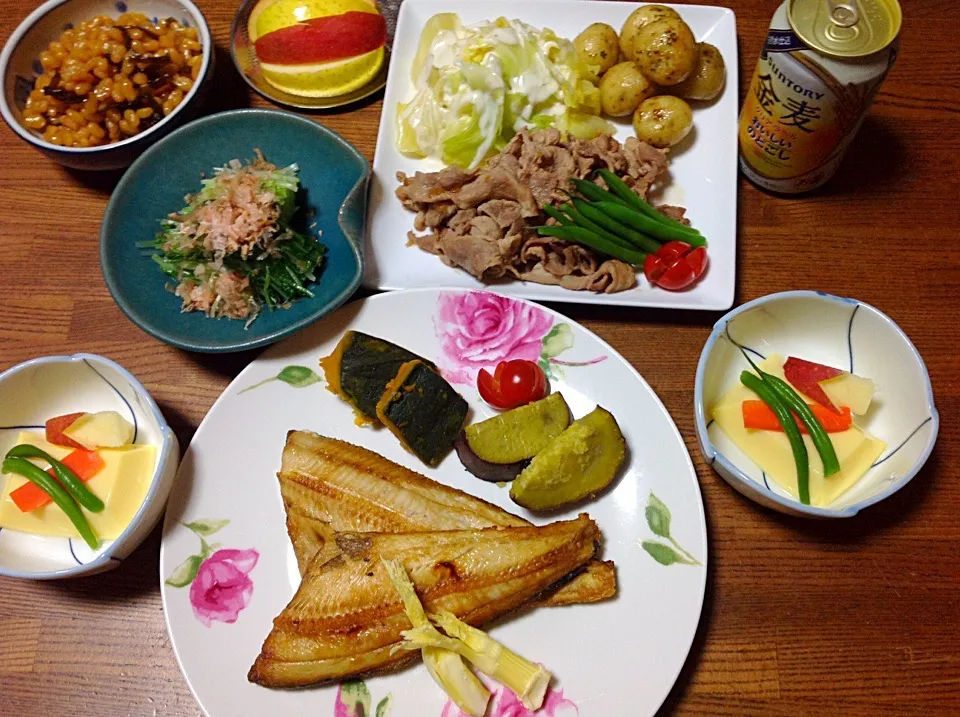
{"x":247,"y":64}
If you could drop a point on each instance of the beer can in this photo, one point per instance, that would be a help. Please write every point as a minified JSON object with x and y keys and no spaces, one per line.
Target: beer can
{"x":821,"y":65}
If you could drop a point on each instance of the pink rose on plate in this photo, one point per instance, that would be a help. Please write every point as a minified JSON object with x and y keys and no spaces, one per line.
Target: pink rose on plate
{"x":479,"y":329}
{"x":507,"y":704}
{"x":223,"y":586}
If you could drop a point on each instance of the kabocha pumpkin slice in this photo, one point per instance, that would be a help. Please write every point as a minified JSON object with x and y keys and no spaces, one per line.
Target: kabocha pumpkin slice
{"x":359,"y":369}
{"x":521,"y":433}
{"x":580,"y":462}
{"x":424,"y":411}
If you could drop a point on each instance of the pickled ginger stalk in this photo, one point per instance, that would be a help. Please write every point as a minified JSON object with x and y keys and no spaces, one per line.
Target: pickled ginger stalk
{"x":445,"y":667}
{"x":527,"y":680}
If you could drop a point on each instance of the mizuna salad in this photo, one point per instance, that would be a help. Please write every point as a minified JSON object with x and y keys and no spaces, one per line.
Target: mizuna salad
{"x":231,"y":249}
{"x":477,"y":86}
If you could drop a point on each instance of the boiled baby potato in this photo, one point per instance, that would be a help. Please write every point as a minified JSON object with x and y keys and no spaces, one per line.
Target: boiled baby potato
{"x":662,"y":121}
{"x":599,"y":46}
{"x":623,"y":88}
{"x":638,"y":18}
{"x":665,"y":51}
{"x":706,"y":80}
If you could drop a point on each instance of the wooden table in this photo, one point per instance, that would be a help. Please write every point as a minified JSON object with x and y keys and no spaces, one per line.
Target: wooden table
{"x":856,"y":617}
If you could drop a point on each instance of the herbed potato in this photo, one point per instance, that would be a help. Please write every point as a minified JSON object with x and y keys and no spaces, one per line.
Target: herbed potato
{"x":638,"y":18}
{"x":662,"y":121}
{"x":623,"y":88}
{"x":707,"y":79}
{"x":665,"y":51}
{"x":598,"y":45}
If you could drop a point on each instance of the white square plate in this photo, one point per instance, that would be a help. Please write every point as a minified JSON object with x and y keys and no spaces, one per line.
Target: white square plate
{"x":702,"y":177}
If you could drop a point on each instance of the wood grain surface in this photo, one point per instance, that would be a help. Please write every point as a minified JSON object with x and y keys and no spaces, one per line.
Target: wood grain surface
{"x":858,"y":617}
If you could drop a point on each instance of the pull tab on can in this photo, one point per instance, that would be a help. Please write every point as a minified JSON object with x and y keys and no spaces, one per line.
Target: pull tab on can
{"x":843,"y":14}
{"x":845,"y":28}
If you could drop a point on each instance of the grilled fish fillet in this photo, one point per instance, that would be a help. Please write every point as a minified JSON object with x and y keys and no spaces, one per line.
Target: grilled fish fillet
{"x":330,"y":484}
{"x":346,"y":618}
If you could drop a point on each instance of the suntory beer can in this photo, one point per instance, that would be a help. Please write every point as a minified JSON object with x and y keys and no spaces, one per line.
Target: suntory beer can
{"x":821,"y":66}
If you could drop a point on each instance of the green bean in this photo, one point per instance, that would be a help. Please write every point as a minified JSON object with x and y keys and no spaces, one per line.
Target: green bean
{"x":631,"y":198}
{"x":644,"y":242}
{"x":771,"y":398}
{"x":582,"y":221}
{"x":635,"y":219}
{"x":821,"y":441}
{"x":68,"y":479}
{"x":621,"y":191}
{"x":557,"y":214}
{"x":49,"y":485}
{"x":589,"y":239}
{"x":594,"y":192}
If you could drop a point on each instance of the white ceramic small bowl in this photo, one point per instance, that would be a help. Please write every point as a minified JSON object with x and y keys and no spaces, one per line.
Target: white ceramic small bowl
{"x":32,"y":392}
{"x":20,"y":65}
{"x":838,"y":332}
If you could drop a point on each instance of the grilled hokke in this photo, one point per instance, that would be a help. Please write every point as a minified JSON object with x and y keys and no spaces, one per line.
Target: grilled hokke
{"x":347,"y":617}
{"x":330,"y":485}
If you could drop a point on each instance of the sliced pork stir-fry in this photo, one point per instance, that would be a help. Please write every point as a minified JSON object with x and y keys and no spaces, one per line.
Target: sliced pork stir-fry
{"x":484,"y":221}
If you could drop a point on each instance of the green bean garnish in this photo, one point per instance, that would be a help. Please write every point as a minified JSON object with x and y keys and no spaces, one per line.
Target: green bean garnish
{"x":74,"y":486}
{"x":23,"y":467}
{"x":590,"y":239}
{"x":821,"y":441}
{"x":632,"y":199}
{"x":582,"y":221}
{"x":639,"y":239}
{"x":794,"y":402}
{"x":594,"y":192}
{"x":557,"y":214}
{"x":799,"y":448}
{"x":643,"y":223}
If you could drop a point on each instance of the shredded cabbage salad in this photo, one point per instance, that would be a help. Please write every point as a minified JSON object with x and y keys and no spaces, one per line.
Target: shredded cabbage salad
{"x":478,"y":85}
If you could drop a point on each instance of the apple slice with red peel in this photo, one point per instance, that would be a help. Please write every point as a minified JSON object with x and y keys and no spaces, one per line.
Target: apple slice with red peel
{"x":806,"y":377}
{"x":323,"y":39}
{"x":56,"y":426}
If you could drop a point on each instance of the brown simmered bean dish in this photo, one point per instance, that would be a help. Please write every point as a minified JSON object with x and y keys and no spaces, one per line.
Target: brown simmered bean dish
{"x":108,"y":79}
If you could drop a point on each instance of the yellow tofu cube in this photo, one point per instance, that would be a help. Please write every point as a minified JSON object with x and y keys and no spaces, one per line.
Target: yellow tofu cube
{"x":121,"y":484}
{"x":771,"y":451}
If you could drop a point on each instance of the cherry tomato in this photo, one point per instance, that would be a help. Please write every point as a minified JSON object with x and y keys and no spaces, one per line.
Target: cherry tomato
{"x":513,"y":383}
{"x":489,"y":388}
{"x":675,"y":266}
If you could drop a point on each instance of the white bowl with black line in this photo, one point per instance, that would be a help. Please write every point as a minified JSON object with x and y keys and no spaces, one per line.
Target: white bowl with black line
{"x":35,"y":390}
{"x":835,"y":331}
{"x":20,"y":66}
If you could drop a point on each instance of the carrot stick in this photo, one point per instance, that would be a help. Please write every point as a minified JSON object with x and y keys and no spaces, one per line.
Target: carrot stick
{"x":86,"y":464}
{"x":759,"y":416}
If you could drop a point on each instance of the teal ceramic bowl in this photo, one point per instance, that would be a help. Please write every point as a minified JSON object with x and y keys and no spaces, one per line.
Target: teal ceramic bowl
{"x":333,"y":180}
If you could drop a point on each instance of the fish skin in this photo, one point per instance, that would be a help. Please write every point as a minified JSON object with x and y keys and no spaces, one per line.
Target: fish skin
{"x":346,"y":618}
{"x":331,"y":484}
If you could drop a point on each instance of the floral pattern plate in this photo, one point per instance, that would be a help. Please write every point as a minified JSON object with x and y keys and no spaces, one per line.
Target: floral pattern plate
{"x":228,"y":569}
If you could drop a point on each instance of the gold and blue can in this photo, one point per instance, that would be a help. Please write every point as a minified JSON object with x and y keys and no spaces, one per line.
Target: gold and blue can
{"x":821,"y":66}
